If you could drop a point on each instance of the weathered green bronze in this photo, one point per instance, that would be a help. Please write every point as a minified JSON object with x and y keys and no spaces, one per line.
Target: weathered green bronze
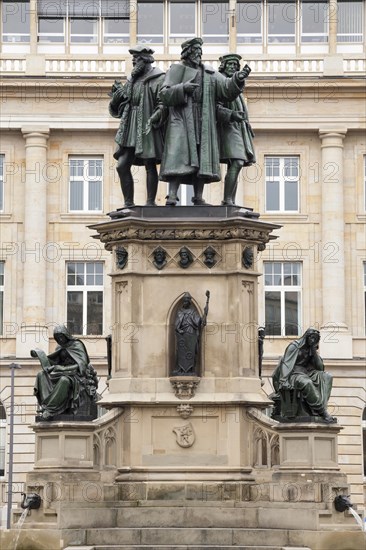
{"x":188,"y":327}
{"x":139,"y":138}
{"x":192,"y":91}
{"x":235,"y":132}
{"x":67,"y":381}
{"x":303,"y":387}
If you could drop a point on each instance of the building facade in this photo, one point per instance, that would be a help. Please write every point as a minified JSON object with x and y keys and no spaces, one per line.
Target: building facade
{"x":306,"y":100}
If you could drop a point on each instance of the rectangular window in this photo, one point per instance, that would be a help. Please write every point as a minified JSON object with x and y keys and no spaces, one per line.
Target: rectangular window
{"x":85,"y":297}
{"x":2,"y":158}
{"x":85,"y":190}
{"x":215,"y":22}
{"x":16,"y":21}
{"x":117,"y":31}
{"x":314,"y":21}
{"x":83,"y":17}
{"x":350,"y":21}
{"x":282,"y":289}
{"x":150,"y":22}
{"x":2,"y":265}
{"x":249,"y":22}
{"x":182,"y":20}
{"x":282,"y":184}
{"x":281,"y":21}
{"x":83,"y":31}
{"x":51,"y":21}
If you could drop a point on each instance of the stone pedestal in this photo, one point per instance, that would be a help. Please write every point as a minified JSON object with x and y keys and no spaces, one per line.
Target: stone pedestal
{"x":308,"y":446}
{"x":64,"y":445}
{"x":159,"y":441}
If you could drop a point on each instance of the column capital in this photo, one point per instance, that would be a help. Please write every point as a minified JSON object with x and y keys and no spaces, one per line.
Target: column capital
{"x":332,"y":138}
{"x":35,"y":136}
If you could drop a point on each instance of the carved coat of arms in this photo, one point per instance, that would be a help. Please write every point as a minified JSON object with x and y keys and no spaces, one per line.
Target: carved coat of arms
{"x":185,"y":435}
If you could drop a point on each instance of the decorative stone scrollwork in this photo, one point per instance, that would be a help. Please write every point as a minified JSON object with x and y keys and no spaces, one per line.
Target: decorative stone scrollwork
{"x":171,"y":233}
{"x":185,"y":410}
{"x":184,"y":387}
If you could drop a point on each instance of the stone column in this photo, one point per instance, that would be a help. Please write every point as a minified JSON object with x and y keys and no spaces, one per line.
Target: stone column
{"x":32,"y":332}
{"x":332,"y":246}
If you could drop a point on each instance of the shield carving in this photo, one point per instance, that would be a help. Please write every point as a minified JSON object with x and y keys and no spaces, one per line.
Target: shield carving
{"x":185,"y":435}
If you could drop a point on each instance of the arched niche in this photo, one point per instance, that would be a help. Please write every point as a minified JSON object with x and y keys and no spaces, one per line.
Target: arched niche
{"x":171,"y":337}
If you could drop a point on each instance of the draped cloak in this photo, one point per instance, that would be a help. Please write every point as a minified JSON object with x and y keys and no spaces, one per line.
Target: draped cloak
{"x":297,"y":368}
{"x":235,"y":138}
{"x":59,"y":391}
{"x":134,"y":108}
{"x":182,"y":158}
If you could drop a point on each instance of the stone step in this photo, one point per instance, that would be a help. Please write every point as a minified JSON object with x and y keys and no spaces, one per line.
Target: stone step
{"x":212,"y":537}
{"x":187,"y":547}
{"x":180,"y":547}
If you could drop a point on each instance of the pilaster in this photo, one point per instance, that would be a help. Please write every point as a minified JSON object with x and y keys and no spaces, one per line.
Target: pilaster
{"x":337,"y":341}
{"x":33,"y":322}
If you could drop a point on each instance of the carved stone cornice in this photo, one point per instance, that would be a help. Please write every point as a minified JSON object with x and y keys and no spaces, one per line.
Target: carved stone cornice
{"x":205,"y":229}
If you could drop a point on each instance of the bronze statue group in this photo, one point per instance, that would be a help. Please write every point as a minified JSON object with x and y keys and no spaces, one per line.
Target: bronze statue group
{"x":188,"y":120}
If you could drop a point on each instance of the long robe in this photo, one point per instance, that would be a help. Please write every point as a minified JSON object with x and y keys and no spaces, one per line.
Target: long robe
{"x":134,"y":113}
{"x":235,"y":138}
{"x":187,"y":333}
{"x":191,"y":151}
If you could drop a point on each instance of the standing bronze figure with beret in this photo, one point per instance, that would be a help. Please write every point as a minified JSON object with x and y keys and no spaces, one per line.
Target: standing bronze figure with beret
{"x":137,"y":104}
{"x":191,"y":91}
{"x":235,"y":132}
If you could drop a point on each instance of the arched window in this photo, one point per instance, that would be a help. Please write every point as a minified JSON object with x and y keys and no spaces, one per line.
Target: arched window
{"x":2,"y":438}
{"x":364,"y":440}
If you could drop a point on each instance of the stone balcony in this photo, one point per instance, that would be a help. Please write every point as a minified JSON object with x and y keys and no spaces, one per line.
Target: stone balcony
{"x":63,"y":65}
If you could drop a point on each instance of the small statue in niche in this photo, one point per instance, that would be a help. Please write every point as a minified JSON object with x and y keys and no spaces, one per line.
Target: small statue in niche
{"x":186,"y":258}
{"x":247,"y":257}
{"x":188,"y":328}
{"x":209,"y":255}
{"x":159,"y":258}
{"x":301,"y":384}
{"x":121,"y":257}
{"x":67,"y":382}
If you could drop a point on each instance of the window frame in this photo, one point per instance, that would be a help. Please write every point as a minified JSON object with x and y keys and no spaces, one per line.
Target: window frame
{"x":361,"y":19}
{"x":176,"y":38}
{"x":282,"y":289}
{"x":98,"y":36}
{"x":282,"y":179}
{"x":240,"y":35}
{"x":86,"y":181}
{"x":84,"y":289}
{"x":326,"y":23}
{"x":20,"y":4}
